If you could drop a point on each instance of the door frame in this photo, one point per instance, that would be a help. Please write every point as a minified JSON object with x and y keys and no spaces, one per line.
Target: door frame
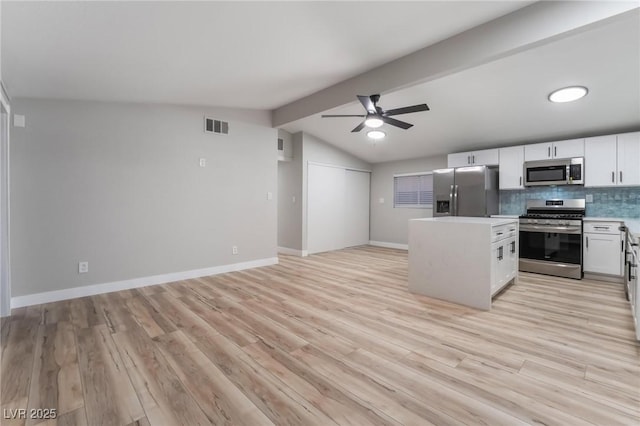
{"x":5,"y":263}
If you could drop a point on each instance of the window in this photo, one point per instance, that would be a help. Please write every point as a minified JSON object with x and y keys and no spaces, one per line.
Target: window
{"x":413,"y":190}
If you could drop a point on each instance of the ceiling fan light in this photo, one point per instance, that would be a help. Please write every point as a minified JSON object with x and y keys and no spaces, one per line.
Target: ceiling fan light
{"x":373,"y":122}
{"x":376,"y":134}
{"x":568,"y":94}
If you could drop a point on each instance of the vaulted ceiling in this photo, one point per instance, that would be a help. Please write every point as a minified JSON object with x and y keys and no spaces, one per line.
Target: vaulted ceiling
{"x":484,"y":68}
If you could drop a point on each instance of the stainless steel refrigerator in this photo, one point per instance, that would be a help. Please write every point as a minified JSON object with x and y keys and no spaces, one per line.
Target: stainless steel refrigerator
{"x":466,"y":191}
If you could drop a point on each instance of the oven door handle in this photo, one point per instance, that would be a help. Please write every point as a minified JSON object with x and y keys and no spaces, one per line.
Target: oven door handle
{"x":556,"y":229}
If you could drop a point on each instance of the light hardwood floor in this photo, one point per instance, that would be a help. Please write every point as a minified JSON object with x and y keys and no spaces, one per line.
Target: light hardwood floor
{"x":334,"y":338}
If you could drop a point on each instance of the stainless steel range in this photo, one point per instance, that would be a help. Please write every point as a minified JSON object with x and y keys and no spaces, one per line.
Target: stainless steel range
{"x":551,"y":237}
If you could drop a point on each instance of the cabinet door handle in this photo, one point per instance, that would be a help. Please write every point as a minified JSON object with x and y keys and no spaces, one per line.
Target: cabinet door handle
{"x":613,"y":177}
{"x":622,"y":245}
{"x":549,"y":151}
{"x":468,"y":159}
{"x":520,"y":180}
{"x":587,"y":238}
{"x":473,"y":159}
{"x":555,"y":151}
{"x":621,"y":176}
{"x":500,"y":251}
{"x":513,"y":246}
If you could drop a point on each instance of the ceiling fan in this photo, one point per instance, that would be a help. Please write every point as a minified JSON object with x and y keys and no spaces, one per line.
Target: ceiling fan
{"x":376,"y":116}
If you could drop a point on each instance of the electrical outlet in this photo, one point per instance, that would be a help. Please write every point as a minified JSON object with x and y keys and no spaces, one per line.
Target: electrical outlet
{"x":269,"y":195}
{"x":83,"y":267}
{"x":293,"y":199}
{"x":381,"y":200}
{"x":589,"y":198}
{"x":203,"y":162}
{"x":234,"y":250}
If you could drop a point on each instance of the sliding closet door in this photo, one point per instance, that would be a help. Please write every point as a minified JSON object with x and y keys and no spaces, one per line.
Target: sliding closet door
{"x":325,"y":208}
{"x":356,"y":218}
{"x":337,"y":208}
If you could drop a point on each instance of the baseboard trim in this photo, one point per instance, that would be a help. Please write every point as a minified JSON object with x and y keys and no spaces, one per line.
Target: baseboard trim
{"x":603,"y":277}
{"x":292,"y":252}
{"x":389,"y":245}
{"x":91,"y":290}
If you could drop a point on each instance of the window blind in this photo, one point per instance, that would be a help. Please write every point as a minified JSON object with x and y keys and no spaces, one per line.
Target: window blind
{"x":414,"y":191}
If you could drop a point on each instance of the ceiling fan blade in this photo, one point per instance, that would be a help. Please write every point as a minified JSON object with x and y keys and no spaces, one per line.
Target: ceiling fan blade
{"x":332,"y":115}
{"x":407,"y":110}
{"x":397,"y":123}
{"x":367,"y":103}
{"x":358,"y":128}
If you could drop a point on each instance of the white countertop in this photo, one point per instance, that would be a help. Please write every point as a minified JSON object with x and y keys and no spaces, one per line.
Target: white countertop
{"x":492,"y":221}
{"x":506,"y":216}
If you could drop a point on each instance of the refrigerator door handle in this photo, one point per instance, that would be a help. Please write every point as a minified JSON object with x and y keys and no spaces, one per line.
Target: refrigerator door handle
{"x":451,"y":211}
{"x":455,"y":201}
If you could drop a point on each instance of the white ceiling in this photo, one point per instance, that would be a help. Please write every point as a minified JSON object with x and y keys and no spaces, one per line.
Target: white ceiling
{"x":266,"y":55}
{"x":235,"y":54}
{"x":504,"y":102}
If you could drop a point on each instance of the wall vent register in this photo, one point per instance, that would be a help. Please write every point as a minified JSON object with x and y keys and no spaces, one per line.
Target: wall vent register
{"x":216,"y":126}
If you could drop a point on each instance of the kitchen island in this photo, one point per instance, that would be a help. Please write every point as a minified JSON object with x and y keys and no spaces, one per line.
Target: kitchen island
{"x":465,"y":260}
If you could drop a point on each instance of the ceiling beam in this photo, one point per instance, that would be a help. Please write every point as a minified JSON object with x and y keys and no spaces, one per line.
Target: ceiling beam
{"x":531,"y":26}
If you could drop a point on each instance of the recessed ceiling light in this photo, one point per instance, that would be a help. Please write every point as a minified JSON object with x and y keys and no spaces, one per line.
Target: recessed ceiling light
{"x":568,"y":94}
{"x":376,"y":134}
{"x":374,"y":122}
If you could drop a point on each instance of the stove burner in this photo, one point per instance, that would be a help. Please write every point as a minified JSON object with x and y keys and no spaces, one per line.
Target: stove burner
{"x":552,"y":216}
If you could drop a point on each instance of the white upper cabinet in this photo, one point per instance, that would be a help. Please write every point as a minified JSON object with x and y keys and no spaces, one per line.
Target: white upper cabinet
{"x":600,"y":161}
{"x":629,"y":159}
{"x":568,"y":149}
{"x":548,"y":150}
{"x":612,"y":160}
{"x":511,"y":167}
{"x":484,"y":157}
{"x":459,"y":159}
{"x":538,"y":151}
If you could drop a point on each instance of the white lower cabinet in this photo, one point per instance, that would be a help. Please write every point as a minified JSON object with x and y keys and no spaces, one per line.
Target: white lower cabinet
{"x":504,"y":266}
{"x":603,"y":248}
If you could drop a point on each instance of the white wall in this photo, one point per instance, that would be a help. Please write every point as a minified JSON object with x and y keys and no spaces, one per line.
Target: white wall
{"x":318,"y":151}
{"x":389,"y":224}
{"x":119,"y":186}
{"x":5,"y":276}
{"x":289,"y":186}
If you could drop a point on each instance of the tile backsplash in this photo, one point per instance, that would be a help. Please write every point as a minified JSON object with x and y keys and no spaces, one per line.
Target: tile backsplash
{"x":622,"y":202}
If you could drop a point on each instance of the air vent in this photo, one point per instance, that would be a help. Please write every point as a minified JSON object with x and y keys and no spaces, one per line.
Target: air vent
{"x":216,"y":126}
{"x":280,"y":144}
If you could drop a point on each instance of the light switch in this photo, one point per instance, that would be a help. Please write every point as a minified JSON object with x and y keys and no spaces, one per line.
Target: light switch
{"x":381,"y":200}
{"x":269,"y":195}
{"x":293,"y":199}
{"x":19,"y":120}
{"x":203,"y":162}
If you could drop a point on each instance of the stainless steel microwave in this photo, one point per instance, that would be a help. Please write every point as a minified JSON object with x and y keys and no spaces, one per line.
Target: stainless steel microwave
{"x":563,"y":171}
